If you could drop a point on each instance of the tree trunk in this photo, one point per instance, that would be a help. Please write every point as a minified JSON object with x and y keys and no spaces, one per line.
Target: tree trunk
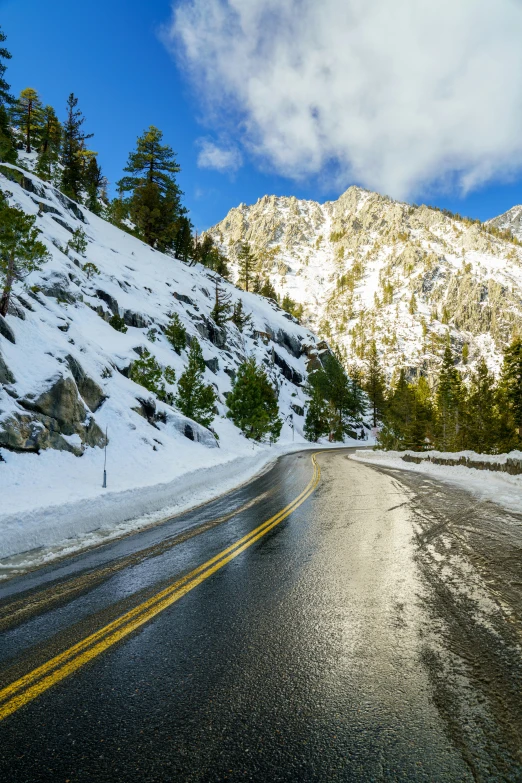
{"x":28,"y":147}
{"x":6,"y":293}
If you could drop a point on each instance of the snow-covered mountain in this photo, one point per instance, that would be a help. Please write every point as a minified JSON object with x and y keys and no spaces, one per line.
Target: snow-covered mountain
{"x":366,"y":267}
{"x":510,"y":221}
{"x":64,"y":369}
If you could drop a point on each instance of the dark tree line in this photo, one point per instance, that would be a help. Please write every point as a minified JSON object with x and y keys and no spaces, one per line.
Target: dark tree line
{"x":482,"y":414}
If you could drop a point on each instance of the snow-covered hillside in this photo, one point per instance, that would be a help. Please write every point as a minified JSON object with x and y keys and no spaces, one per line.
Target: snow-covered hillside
{"x":366,"y":267}
{"x":510,"y":221}
{"x":64,"y":369}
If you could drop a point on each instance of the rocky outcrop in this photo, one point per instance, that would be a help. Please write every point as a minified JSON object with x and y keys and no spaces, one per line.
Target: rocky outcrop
{"x":54,"y":419}
{"x":6,"y":376}
{"x":135,"y":319}
{"x":6,"y":331}
{"x":91,"y":393}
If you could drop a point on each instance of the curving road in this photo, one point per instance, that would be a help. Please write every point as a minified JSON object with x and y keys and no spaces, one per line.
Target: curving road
{"x":325,"y":622}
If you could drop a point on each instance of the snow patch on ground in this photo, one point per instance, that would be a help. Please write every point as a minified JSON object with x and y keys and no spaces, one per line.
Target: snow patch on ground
{"x":500,"y":488}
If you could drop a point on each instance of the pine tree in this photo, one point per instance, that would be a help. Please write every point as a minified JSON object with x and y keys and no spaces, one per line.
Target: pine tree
{"x":195,"y":399}
{"x":20,"y":251}
{"x":94,"y":183}
{"x":290,"y":306}
{"x":222,"y":308}
{"x":27,"y":116}
{"x":511,"y":383}
{"x":252,"y":403}
{"x":155,"y":200}
{"x":239,"y":317}
{"x":317,"y":420}
{"x":206,"y":253}
{"x":147,"y":372}
{"x":332,"y":384}
{"x":482,"y":419}
{"x":183,"y":244}
{"x":73,"y":146}
{"x":374,"y":385}
{"x":449,"y":400}
{"x":176,"y":333}
{"x":7,"y":143}
{"x":50,"y":144}
{"x":246,"y":265}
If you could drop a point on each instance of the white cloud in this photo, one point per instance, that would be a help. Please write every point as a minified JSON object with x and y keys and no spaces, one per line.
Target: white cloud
{"x":399,"y":95}
{"x":218,"y":157}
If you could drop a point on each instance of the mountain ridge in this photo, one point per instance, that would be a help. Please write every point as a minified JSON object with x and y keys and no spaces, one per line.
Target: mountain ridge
{"x":367,"y":268}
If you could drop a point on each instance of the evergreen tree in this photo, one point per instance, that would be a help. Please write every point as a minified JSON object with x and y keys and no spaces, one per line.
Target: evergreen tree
{"x":374,"y":385}
{"x":265,"y":288}
{"x":482,"y":420}
{"x":176,"y":333}
{"x":72,"y":150}
{"x":403,"y":426}
{"x":195,"y":399}
{"x":20,"y":250}
{"x":155,"y":200}
{"x":511,"y":383}
{"x":246,"y":265}
{"x":7,"y":143}
{"x":222,"y":307}
{"x":252,"y":403}
{"x":147,"y":372}
{"x":343,"y":395}
{"x":183,"y":244}
{"x":290,"y":306}
{"x":50,"y":144}
{"x":209,"y":255}
{"x":94,"y":183}
{"x":449,"y":401}
{"x":317,"y":420}
{"x":6,"y":98}
{"x":27,"y":116}
{"x":239,"y":317}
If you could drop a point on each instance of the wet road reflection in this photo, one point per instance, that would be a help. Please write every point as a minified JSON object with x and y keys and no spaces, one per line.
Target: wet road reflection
{"x":312,"y":656}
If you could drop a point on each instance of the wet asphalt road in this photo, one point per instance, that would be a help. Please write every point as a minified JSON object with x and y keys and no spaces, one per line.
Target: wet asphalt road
{"x":373,"y":635}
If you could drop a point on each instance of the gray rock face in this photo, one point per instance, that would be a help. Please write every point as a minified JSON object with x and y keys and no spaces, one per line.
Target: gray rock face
{"x":59,"y":401}
{"x":58,"y":287}
{"x":6,"y":376}
{"x":215,"y":334}
{"x":6,"y":331}
{"x":91,"y":393}
{"x":108,"y":299}
{"x":135,"y":319}
{"x":212,"y":364}
{"x":290,"y":374}
{"x":47,"y":418}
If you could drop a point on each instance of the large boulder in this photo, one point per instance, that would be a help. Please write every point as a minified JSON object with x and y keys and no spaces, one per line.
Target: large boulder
{"x":91,"y":393}
{"x":54,"y":419}
{"x":59,"y":401}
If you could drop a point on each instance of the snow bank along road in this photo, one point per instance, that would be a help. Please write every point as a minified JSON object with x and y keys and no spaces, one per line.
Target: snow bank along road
{"x":330,"y":620}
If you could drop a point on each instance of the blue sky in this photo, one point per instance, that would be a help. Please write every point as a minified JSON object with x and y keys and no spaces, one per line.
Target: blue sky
{"x":110,"y":55}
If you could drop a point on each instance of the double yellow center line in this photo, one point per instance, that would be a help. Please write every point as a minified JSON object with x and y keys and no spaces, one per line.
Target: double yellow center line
{"x":27,"y":688}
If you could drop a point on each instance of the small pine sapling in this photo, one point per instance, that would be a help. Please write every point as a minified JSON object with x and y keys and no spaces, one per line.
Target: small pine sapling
{"x":90,"y":270}
{"x":117,"y":322}
{"x":78,"y":241}
{"x":239,"y":317}
{"x":195,"y":399}
{"x":176,"y":333}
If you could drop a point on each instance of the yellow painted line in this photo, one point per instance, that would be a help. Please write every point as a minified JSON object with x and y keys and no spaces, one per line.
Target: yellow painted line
{"x":27,"y":688}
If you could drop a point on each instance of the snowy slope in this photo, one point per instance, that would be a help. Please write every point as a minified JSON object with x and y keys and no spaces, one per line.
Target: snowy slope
{"x":510,"y":221}
{"x":59,"y":322}
{"x":366,"y":267}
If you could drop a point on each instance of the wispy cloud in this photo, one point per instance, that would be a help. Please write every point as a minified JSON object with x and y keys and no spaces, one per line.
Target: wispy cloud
{"x":399,"y":96}
{"x":218,"y":157}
